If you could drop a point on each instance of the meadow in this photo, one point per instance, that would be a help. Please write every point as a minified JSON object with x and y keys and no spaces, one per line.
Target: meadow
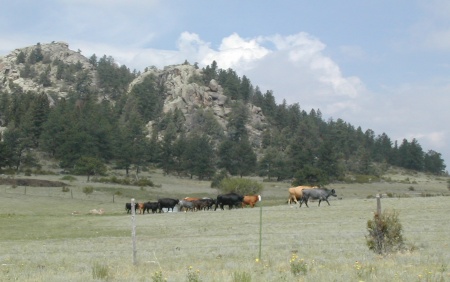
{"x":50,"y":235}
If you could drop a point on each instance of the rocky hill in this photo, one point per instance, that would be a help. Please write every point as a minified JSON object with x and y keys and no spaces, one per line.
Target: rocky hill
{"x":37,"y":69}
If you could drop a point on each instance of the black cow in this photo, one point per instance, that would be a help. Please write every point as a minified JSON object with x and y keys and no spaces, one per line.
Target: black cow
{"x":320,"y":194}
{"x":231,"y":199}
{"x":153,"y":206}
{"x":128,"y":207}
{"x":167,"y":203}
{"x":209,"y":202}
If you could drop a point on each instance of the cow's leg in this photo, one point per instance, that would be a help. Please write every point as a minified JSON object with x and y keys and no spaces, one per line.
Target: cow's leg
{"x":320,"y":200}
{"x":327,"y":201}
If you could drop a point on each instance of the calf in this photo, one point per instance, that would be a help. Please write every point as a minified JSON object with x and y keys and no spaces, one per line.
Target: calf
{"x":320,"y":194}
{"x":141,"y":207}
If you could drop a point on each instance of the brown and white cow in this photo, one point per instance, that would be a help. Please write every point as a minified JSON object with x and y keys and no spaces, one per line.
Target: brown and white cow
{"x":296,"y":193}
{"x":250,"y":200}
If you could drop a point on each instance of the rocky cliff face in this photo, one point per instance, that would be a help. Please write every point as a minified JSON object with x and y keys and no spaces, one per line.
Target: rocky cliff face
{"x":188,"y":97}
{"x":179,"y":92}
{"x":11,"y":68}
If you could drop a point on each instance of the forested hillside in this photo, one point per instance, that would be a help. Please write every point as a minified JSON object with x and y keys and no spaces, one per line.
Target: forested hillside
{"x":186,"y":120}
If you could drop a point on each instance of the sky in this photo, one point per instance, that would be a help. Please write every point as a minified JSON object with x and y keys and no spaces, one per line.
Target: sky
{"x":379,"y":64}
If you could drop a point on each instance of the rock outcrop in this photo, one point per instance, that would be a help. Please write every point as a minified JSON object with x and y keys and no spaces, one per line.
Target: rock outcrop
{"x":180,"y":89}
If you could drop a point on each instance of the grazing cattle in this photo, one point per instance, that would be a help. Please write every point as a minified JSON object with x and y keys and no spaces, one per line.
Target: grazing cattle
{"x":231,"y":200}
{"x":296,"y":194}
{"x":250,"y":200}
{"x":320,"y":194}
{"x":153,"y":206}
{"x":128,"y":207}
{"x":186,"y":205}
{"x":191,"y":199}
{"x":167,"y":203}
{"x":208,"y":203}
{"x":141,"y":207}
{"x":200,"y":204}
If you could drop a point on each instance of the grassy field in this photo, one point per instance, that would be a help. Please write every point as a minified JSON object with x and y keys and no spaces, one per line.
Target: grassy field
{"x":49,"y":235}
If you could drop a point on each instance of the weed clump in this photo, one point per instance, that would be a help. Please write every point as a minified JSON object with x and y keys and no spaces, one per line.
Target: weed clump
{"x":298,"y":266}
{"x":100,"y":271}
{"x":385,"y":233}
{"x":241,"y":276}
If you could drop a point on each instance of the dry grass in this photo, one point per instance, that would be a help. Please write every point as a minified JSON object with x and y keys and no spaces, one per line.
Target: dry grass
{"x":47,"y":235}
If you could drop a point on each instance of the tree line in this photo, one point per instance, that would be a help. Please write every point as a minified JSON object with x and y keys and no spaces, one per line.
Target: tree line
{"x":104,"y":123}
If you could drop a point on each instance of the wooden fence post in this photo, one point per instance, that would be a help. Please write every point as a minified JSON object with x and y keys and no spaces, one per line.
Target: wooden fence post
{"x":133,"y":228}
{"x":379,"y":204}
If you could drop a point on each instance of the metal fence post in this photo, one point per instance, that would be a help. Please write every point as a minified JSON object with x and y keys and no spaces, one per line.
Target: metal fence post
{"x":133,"y":228}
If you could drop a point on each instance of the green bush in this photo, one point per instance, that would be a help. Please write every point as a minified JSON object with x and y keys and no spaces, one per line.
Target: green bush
{"x":240,"y":186}
{"x":88,"y":190}
{"x":385,"y":233}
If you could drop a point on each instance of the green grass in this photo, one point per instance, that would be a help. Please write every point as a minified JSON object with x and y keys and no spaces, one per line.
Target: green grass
{"x":49,"y":235}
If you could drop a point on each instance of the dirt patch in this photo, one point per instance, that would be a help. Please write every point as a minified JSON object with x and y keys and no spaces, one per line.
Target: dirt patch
{"x":31,"y":182}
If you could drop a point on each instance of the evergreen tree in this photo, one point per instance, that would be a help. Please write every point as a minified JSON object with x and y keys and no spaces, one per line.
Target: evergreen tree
{"x":20,"y":57}
{"x":237,"y":157}
{"x":89,"y":166}
{"x":167,"y":152}
{"x":35,"y":117}
{"x":93,"y":60}
{"x":245,"y":89}
{"x":148,"y":98}
{"x":16,"y":146}
{"x":433,"y":163}
{"x":210,"y":72}
{"x":55,"y":128}
{"x":274,"y":164}
{"x":199,"y":157}
{"x":238,"y":118}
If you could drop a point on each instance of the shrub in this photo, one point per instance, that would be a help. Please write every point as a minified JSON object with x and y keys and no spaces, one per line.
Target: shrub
{"x":240,"y":185}
{"x":88,"y":190}
{"x":65,"y":189}
{"x":385,"y":233}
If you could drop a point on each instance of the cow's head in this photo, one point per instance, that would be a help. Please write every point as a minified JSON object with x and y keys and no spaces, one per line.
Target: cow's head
{"x":333,"y":193}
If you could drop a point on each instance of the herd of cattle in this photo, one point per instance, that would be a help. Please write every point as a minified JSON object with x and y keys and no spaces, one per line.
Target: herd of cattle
{"x":299,"y":194}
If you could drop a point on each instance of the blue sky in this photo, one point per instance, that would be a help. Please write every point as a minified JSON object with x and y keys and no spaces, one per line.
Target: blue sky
{"x":382,"y":65}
